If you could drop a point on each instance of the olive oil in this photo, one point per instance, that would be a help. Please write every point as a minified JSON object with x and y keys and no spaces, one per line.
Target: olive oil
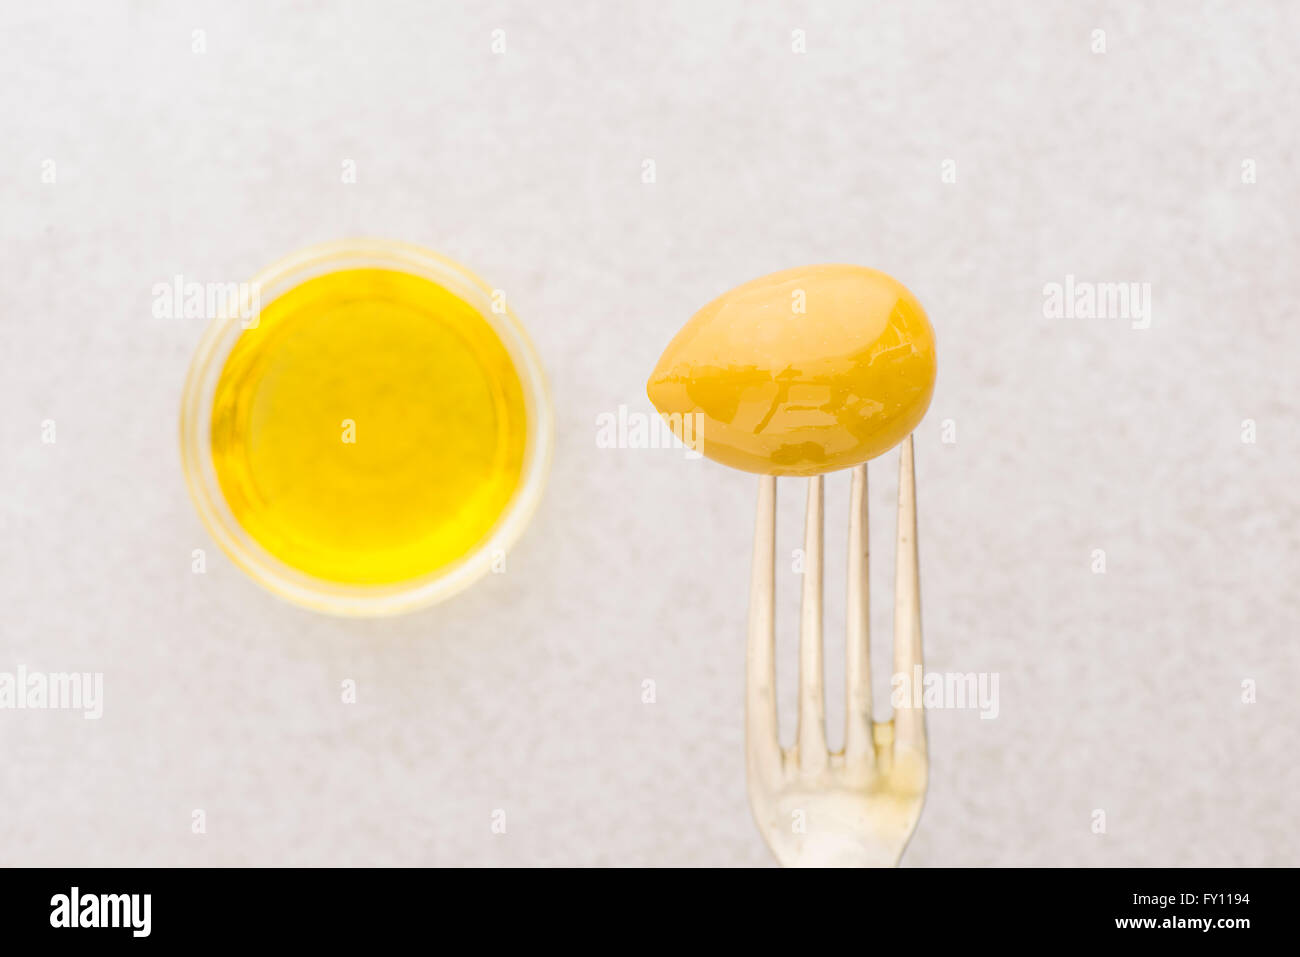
{"x":370,"y":428}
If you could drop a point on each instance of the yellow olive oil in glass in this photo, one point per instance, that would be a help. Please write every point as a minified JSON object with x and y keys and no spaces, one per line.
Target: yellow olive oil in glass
{"x":370,"y":429}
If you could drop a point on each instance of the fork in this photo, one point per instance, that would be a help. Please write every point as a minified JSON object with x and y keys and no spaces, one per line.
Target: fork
{"x":858,"y":807}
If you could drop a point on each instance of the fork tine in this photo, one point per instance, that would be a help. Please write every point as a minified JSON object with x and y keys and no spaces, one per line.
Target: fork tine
{"x":858,"y":742}
{"x":909,"y":722}
{"x":762,"y":741}
{"x":811,"y":734}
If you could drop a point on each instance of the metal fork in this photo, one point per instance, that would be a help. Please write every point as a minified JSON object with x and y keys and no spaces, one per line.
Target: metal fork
{"x":859,"y":807}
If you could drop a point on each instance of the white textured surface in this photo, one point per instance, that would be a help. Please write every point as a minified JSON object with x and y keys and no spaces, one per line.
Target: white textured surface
{"x":1119,"y":691}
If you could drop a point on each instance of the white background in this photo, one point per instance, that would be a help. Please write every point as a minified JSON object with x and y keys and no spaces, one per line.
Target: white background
{"x":1119,"y":691}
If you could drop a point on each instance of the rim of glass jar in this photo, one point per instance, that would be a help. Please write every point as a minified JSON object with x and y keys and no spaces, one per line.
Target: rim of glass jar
{"x":196,"y":421}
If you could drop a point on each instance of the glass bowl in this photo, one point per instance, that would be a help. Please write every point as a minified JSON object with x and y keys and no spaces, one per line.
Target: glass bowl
{"x":196,"y":420}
